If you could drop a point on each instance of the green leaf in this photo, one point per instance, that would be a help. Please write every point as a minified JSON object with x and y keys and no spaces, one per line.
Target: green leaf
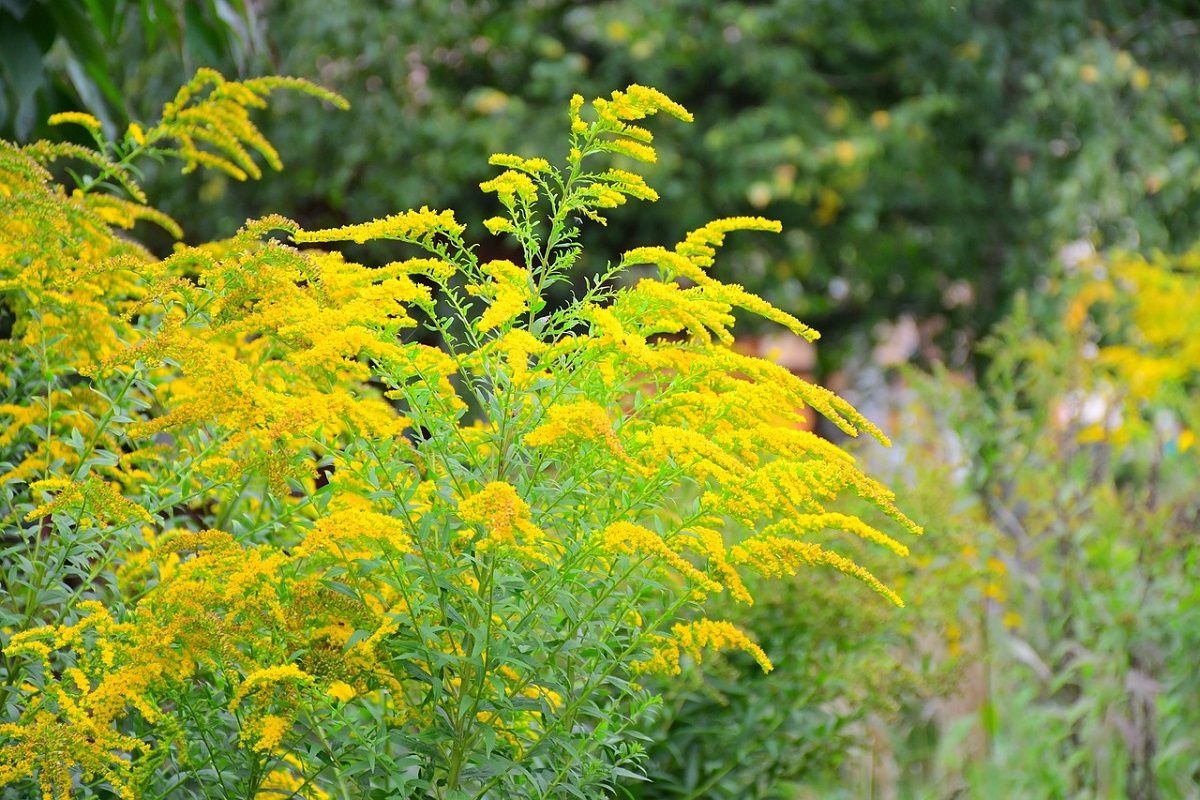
{"x":356,"y":637}
{"x":21,"y":73}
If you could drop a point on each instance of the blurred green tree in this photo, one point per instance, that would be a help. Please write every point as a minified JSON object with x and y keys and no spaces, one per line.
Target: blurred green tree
{"x":925,"y":158}
{"x":58,"y":55}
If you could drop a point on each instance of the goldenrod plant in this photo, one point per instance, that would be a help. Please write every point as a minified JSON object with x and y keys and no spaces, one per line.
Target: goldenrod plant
{"x":263,"y":539}
{"x":1104,"y":567}
{"x":1079,"y":442}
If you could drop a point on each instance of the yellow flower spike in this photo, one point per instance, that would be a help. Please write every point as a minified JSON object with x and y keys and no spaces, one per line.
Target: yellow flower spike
{"x":409,"y":226}
{"x":534,"y":166}
{"x":626,"y":538}
{"x":711,"y":545}
{"x":632,"y":149}
{"x":775,"y":556}
{"x":263,"y":679}
{"x":799,"y":526}
{"x":628,"y":183}
{"x":76,"y":118}
{"x":671,"y":263}
{"x":710,"y":634}
{"x":639,"y":101}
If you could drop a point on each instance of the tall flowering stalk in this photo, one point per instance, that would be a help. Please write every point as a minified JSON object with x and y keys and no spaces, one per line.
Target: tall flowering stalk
{"x":345,"y":562}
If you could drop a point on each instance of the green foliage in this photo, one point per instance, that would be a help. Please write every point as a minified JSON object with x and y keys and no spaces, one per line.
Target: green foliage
{"x":73,"y":55}
{"x":1047,"y":647}
{"x":1080,"y":439}
{"x":849,"y":674}
{"x":261,"y":538}
{"x":925,"y":158}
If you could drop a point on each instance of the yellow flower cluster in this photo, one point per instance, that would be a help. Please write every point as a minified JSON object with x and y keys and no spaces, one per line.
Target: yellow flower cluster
{"x":73,"y":716}
{"x":510,"y":184}
{"x":506,"y":521}
{"x":97,"y":498}
{"x":612,"y":120}
{"x":223,"y":608}
{"x":534,"y":166}
{"x":265,"y":731}
{"x":410,"y":226}
{"x":285,"y":781}
{"x":357,"y":532}
{"x":221,"y":120}
{"x":518,"y":347}
{"x":626,"y":538}
{"x":75,"y":118}
{"x":509,"y":291}
{"x":575,"y":422}
{"x":692,"y":638}
{"x":1147,"y":313}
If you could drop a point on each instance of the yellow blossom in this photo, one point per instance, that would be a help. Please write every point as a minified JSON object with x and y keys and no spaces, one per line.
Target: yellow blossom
{"x":845,"y":151}
{"x":631,"y":539}
{"x":578,"y":421}
{"x":694,"y":637}
{"x":76,"y":118}
{"x":263,"y":679}
{"x":509,"y":292}
{"x":518,"y":347}
{"x":510,"y":184}
{"x":409,"y":226}
{"x":505,"y":518}
{"x":341,"y":691}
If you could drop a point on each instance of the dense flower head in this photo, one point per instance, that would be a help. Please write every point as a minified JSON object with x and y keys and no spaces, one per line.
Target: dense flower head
{"x":505,"y":519}
{"x":579,"y":421}
{"x":512,"y":184}
{"x":508,"y":290}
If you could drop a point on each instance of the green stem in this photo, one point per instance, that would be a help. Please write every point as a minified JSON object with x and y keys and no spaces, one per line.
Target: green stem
{"x":572,"y":708}
{"x":208,"y":749}
{"x":102,"y":425}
